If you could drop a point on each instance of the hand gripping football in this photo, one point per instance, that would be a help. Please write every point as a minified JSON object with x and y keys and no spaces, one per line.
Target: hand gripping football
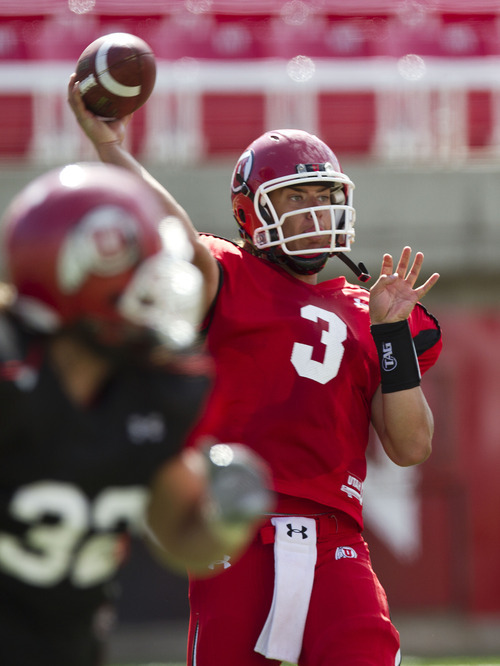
{"x":239,"y":482}
{"x":117,"y":74}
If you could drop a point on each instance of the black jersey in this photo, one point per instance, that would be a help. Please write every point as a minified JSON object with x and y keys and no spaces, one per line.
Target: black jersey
{"x":73,"y":486}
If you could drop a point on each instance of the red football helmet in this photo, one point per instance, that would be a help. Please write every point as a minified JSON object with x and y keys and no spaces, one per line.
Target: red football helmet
{"x":88,"y":247}
{"x":291,"y":158}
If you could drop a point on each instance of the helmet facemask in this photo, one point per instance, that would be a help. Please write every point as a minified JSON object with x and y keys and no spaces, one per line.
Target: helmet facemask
{"x":332,"y":223}
{"x":294,"y":158}
{"x":164,"y":298}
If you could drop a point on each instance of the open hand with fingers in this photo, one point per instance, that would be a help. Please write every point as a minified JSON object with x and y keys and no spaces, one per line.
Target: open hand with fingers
{"x":394,"y":295}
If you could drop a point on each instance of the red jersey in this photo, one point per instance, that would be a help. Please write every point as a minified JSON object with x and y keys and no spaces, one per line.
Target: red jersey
{"x":297,"y":369}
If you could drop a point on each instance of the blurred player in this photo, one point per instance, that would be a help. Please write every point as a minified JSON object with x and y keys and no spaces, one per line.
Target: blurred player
{"x":99,"y":385}
{"x":303,"y":368}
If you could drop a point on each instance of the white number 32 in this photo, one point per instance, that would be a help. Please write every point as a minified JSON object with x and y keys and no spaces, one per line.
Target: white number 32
{"x":79,"y":541}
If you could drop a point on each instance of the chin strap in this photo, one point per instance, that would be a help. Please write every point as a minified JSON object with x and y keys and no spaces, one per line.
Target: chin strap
{"x":360,"y":269}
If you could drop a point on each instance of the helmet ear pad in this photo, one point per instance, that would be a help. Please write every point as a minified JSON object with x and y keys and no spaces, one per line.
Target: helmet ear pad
{"x":247,"y":219}
{"x":244,"y":214}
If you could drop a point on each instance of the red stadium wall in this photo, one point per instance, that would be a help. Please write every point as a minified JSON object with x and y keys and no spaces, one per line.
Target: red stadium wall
{"x":16,"y":126}
{"x":456,"y":566}
{"x":228,"y":32}
{"x":346,"y":120}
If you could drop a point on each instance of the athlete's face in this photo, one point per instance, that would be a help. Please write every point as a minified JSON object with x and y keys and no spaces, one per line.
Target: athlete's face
{"x":297,"y":197}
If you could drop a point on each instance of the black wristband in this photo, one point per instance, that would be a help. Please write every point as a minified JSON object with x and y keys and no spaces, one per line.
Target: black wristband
{"x":399,"y":369}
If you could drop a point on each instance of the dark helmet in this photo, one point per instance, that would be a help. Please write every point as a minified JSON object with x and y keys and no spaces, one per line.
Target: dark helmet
{"x":88,"y":246}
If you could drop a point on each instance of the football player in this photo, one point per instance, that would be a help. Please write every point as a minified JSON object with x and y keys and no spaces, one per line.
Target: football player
{"x":304,"y":367}
{"x":100,"y":382}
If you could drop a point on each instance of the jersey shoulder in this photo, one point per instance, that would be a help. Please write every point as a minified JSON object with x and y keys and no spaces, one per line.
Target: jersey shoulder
{"x":426,"y":333}
{"x":16,"y":346}
{"x":219,"y":246}
{"x":234,"y":259}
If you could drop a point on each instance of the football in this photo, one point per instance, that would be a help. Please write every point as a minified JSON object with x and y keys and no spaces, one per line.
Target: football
{"x":117,"y":74}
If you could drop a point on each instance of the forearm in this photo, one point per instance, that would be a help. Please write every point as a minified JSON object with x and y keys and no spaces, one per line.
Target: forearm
{"x":197,"y":545}
{"x":205,"y":506}
{"x":107,"y":139}
{"x":113,"y":152}
{"x":404,"y":423}
{"x":400,"y":411}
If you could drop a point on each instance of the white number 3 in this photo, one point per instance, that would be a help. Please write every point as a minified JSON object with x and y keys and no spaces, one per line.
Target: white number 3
{"x":332,"y":338}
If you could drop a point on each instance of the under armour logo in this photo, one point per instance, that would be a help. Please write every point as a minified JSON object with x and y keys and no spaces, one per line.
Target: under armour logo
{"x":225,"y":563}
{"x":147,"y":428}
{"x":302,"y":530}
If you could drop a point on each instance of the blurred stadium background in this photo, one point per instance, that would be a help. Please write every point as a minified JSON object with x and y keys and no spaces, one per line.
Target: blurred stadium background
{"x":407,"y":92}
